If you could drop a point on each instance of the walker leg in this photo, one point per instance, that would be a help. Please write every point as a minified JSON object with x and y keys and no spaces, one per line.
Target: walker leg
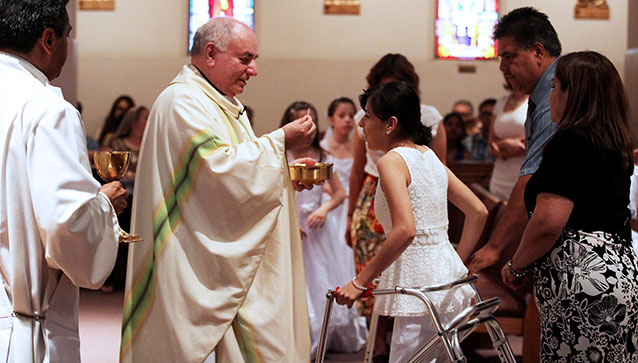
{"x":456,"y":347}
{"x":372,"y":334}
{"x":321,"y":345}
{"x":448,"y":348}
{"x":418,"y":356}
{"x":500,"y":342}
{"x":453,"y":352}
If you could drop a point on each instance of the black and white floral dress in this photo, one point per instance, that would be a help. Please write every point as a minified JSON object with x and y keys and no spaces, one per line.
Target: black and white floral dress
{"x":586,"y":286}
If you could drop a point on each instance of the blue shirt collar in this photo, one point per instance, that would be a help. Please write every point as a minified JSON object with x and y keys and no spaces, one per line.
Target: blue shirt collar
{"x":543,"y":86}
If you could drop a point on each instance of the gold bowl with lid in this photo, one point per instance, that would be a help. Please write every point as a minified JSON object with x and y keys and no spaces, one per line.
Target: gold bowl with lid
{"x":310,"y":174}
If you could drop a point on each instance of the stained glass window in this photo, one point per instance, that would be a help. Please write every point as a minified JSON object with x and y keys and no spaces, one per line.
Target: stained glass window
{"x":464,"y":29}
{"x":202,"y":10}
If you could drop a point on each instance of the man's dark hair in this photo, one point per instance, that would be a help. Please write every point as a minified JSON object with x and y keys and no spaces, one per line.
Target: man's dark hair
{"x":466,"y":103}
{"x":528,"y":26}
{"x":23,"y":21}
{"x":487,"y":102}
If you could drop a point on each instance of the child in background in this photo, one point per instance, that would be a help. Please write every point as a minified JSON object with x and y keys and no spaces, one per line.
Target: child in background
{"x":338,"y":141}
{"x":338,"y":144}
{"x":321,"y":270}
{"x":455,"y":132}
{"x":411,"y":204}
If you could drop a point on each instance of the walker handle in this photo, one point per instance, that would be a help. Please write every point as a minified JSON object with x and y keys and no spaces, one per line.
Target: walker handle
{"x":366,"y":293}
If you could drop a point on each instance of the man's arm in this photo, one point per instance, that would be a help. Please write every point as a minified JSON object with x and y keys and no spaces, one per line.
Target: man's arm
{"x":507,"y":232}
{"x":550,"y":217}
{"x":77,"y":224}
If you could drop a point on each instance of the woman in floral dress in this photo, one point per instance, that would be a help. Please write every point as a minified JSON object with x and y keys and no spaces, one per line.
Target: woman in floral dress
{"x":577,"y":244}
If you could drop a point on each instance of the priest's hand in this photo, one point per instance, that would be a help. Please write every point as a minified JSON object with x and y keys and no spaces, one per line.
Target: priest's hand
{"x":116,"y":194}
{"x":296,"y":184}
{"x":300,"y":132}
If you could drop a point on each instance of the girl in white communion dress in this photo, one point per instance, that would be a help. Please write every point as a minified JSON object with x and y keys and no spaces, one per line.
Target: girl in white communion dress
{"x":411,"y":205}
{"x":316,"y":211}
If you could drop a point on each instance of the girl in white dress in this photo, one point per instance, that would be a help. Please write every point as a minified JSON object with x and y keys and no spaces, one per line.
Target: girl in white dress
{"x":317,"y":211}
{"x":338,"y":141}
{"x":338,"y":144}
{"x":411,"y":205}
{"x":506,"y":142}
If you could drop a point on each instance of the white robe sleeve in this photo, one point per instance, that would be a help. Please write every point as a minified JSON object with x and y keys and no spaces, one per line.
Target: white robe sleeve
{"x":78,"y":226}
{"x":247,"y":179}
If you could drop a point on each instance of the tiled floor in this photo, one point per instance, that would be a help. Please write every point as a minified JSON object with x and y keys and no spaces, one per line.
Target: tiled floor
{"x":101,"y":319}
{"x":100,"y":326}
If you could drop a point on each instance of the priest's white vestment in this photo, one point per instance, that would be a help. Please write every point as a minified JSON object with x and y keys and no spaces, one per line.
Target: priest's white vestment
{"x":221,"y":266}
{"x":57,"y":231}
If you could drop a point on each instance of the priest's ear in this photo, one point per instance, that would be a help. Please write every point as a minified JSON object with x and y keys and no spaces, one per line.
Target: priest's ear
{"x":210,"y":52}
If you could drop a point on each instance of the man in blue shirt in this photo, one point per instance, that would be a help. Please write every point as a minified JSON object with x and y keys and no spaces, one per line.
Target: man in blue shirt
{"x":528,"y":46}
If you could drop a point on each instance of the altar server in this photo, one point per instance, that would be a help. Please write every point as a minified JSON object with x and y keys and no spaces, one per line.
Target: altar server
{"x":221,"y":267}
{"x":58,"y":227}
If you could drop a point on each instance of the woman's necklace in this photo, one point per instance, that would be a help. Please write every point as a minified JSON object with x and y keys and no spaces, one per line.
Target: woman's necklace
{"x":404,"y":144}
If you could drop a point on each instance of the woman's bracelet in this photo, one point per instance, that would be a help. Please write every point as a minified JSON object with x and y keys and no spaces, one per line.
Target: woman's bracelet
{"x":356,"y":285}
{"x":518,"y":275}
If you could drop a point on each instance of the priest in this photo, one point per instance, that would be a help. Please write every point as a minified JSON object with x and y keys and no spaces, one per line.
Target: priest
{"x":220,"y":272}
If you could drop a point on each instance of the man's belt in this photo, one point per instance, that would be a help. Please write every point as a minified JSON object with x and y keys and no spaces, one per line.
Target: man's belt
{"x":36,"y":317}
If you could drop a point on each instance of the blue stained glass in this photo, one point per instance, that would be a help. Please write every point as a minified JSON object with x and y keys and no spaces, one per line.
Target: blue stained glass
{"x":464,"y":29}
{"x":200,"y":11}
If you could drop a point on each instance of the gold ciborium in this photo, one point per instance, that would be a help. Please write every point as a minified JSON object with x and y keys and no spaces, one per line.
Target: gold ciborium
{"x":112,"y":165}
{"x":310,"y":174}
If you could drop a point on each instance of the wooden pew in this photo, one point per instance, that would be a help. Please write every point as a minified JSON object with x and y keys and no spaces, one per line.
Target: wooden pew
{"x":473,"y":172}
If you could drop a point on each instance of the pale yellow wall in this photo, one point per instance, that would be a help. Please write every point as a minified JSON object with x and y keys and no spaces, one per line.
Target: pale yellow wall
{"x":68,"y":79}
{"x":304,"y":54}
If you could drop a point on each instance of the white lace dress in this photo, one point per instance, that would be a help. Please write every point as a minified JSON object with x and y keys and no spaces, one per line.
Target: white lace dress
{"x":341,"y":255}
{"x":430,"y":259}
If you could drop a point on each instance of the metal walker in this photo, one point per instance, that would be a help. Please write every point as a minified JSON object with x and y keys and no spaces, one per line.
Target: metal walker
{"x":449,"y":335}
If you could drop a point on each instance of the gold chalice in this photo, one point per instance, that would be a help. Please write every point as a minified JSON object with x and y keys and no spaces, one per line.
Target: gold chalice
{"x":112,"y":165}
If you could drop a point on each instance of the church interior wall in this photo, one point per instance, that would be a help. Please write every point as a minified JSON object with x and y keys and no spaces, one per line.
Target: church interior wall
{"x":305,"y":55}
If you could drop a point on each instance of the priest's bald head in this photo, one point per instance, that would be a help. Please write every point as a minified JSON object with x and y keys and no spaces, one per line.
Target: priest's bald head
{"x":37,"y":31}
{"x":225,"y":51}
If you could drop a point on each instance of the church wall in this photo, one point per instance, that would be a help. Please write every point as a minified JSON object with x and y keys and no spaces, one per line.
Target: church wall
{"x":306,"y":55}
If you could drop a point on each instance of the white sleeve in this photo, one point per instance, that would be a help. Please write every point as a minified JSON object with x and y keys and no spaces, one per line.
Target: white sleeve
{"x":357,"y":117}
{"x":430,"y":116}
{"x":78,"y":226}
